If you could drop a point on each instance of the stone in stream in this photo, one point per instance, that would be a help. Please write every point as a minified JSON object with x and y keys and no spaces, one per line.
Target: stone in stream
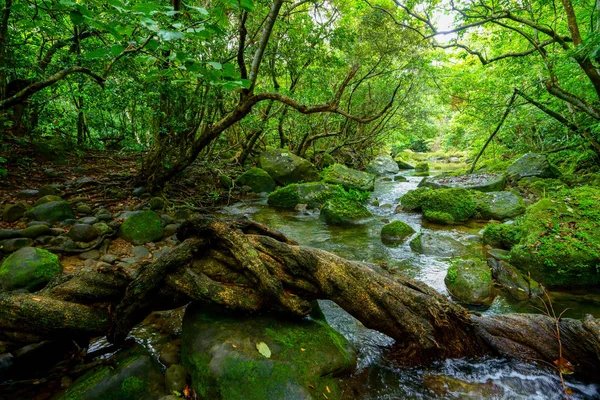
{"x":504,"y":236}
{"x":444,"y":206}
{"x":445,"y":387}
{"x":135,"y":375}
{"x":532,"y":165}
{"x":51,"y":212}
{"x":499,"y":205}
{"x":344,"y":212}
{"x":257,"y":179}
{"x":313,"y":194}
{"x":480,"y":182}
{"x":395,"y":232}
{"x":515,"y":283}
{"x":403,"y":164}
{"x":170,"y":353}
{"x":349,"y":178}
{"x":470,"y":281}
{"x":83,"y":233}
{"x":286,"y":167}
{"x":237,"y":357}
{"x":29,"y":268}
{"x":382,"y":165}
{"x":438,"y":244}
{"x":13,"y":212}
{"x":141,"y":227}
{"x":422,"y":167}
{"x":175,"y":378}
{"x":400,"y":178}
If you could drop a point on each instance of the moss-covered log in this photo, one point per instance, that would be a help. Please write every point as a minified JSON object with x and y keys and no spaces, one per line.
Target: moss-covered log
{"x":245,"y":266}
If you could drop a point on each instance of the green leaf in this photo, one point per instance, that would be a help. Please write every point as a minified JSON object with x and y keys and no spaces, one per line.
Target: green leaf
{"x":145,"y":8}
{"x":3,"y":160}
{"x":167,"y":36}
{"x":4,"y":175}
{"x":76,"y":17}
{"x":152,"y":45}
{"x":94,"y":54}
{"x":201,"y":10}
{"x":215,"y":65}
{"x":247,"y":5}
{"x":116,"y":50}
{"x":263,"y":349}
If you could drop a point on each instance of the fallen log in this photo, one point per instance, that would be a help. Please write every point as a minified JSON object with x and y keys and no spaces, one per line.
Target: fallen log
{"x":246,"y":266}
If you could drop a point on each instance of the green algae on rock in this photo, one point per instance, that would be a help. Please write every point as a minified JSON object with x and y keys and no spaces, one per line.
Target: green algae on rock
{"x":142,"y":227}
{"x":441,"y":205}
{"x":504,"y":236}
{"x":532,"y":164}
{"x":396,"y":231}
{"x":29,"y":268}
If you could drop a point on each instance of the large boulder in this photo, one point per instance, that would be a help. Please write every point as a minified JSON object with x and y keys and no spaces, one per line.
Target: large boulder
{"x":438,"y":244}
{"x":470,"y":281}
{"x":342,"y":211}
{"x":134,"y":375}
{"x":231,"y":356}
{"x":312,"y":194}
{"x":383,"y":165}
{"x":499,"y":205}
{"x":560,"y":241}
{"x":396,"y":232}
{"x":530,"y":165}
{"x":142,"y":227}
{"x":51,"y":212}
{"x":286,"y":167}
{"x":445,"y":206}
{"x":258,"y":179}
{"x":349,"y":178}
{"x":480,"y":182}
{"x":29,"y":268}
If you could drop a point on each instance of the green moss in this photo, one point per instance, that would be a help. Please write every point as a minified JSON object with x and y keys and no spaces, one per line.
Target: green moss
{"x":438,"y":217}
{"x":258,"y":179}
{"x":452,"y":273}
{"x":502,"y":235}
{"x":348,"y":178}
{"x":142,"y":227}
{"x":470,"y":281}
{"x":133,"y":387}
{"x":412,"y":200}
{"x":313,"y":194}
{"x":396,"y":231}
{"x":541,"y":187}
{"x":29,"y":268}
{"x":441,"y":205}
{"x":344,"y":211}
{"x":285,"y":197}
{"x":422,"y":167}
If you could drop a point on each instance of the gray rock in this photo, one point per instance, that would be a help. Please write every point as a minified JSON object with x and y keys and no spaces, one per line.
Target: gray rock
{"x":64,"y":243}
{"x":36,"y":223}
{"x":53,"y":173}
{"x":12,"y":245}
{"x":480,"y":182}
{"x":182,"y":214}
{"x":349,"y":178}
{"x":171,"y":229}
{"x":140,"y":252}
{"x":104,"y":215}
{"x":167,"y":219}
{"x":84,"y":209}
{"x":109,"y":258}
{"x":83,"y":233}
{"x":470,"y":281}
{"x":169,"y":354}
{"x":383,"y":165}
{"x":518,"y":285}
{"x":47,"y":199}
{"x":90,"y":255}
{"x":88,"y":220}
{"x":138,"y":191}
{"x":27,"y":194}
{"x":89,"y":263}
{"x":532,"y":165}
{"x":57,"y":231}
{"x":43,"y":240}
{"x":69,"y":222}
{"x":438,"y":244}
{"x":48,"y":190}
{"x":13,"y":212}
{"x":285,"y":167}
{"x":34,"y":231}
{"x":9,"y":233}
{"x":499,"y":205}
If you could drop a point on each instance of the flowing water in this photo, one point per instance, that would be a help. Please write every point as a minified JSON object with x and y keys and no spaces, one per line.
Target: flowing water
{"x":376,"y":376}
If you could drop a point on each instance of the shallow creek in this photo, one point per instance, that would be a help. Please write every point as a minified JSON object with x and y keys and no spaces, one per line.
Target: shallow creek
{"x":379,"y":378}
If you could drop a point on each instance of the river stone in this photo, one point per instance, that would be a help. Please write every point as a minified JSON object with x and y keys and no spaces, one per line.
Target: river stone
{"x":438,"y":244}
{"x":51,"y":212}
{"x":47,"y":199}
{"x":90,"y":255}
{"x":286,"y":167}
{"x":258,"y":179}
{"x":88,"y":220}
{"x":33,"y":232}
{"x":382,"y":165}
{"x":12,"y":245}
{"x":156,"y":203}
{"x":14,"y":212}
{"x":532,"y":164}
{"x":403,"y":164}
{"x":64,"y":243}
{"x":140,"y":251}
{"x":9,"y":233}
{"x":170,"y":353}
{"x":396,"y":231}
{"x":515,"y":283}
{"x":84,"y":209}
{"x":142,"y":227}
{"x":313,"y":194}
{"x":29,"y":268}
{"x":171,"y":229}
{"x":104,"y":215}
{"x":470,"y":281}
{"x":560,"y":239}
{"x":445,"y":387}
{"x":344,"y":212}
{"x":219,"y":350}
{"x":83,"y":233}
{"x":48,"y":190}
{"x":499,"y":205}
{"x":134,"y":376}
{"x":480,"y":182}
{"x":349,"y":178}
{"x":27,"y":193}
{"x":442,"y":206}
{"x":400,"y":178}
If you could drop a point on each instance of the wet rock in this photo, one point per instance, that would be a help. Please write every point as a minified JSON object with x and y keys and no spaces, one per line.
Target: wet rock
{"x":170,"y":353}
{"x":83,"y":233}
{"x":479,"y":182}
{"x":285,"y":167}
{"x":13,"y":212}
{"x":499,"y":205}
{"x":182,"y":214}
{"x":33,"y":232}
{"x":27,"y":194}
{"x":400,"y":178}
{"x":175,"y":378}
{"x":313,"y":194}
{"x":9,"y":233}
{"x":51,"y":212}
{"x":85,"y":180}
{"x":402,"y":164}
{"x":452,"y":388}
{"x":438,"y":244}
{"x":104,"y":215}
{"x":135,"y":375}
{"x":171,"y":229}
{"x":142,"y":227}
{"x":532,"y":165}
{"x":29,"y":268}
{"x":396,"y":232}
{"x":470,"y":281}
{"x":498,"y":254}
{"x":84,"y":209}
{"x":69,"y":222}
{"x":43,"y":240}
{"x":344,"y":212}
{"x":12,"y":245}
{"x":53,"y":173}
{"x":47,"y":199}
{"x":349,"y":178}
{"x":140,"y":252}
{"x":90,"y":255}
{"x":167,"y":219}
{"x":220,"y":352}
{"x":156,"y":203}
{"x":258,"y":179}
{"x":516,"y":284}
{"x":64,"y":243}
{"x":382,"y":165}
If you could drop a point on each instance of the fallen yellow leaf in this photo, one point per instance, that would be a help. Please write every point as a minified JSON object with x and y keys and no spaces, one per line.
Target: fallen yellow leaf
{"x":328,"y":390}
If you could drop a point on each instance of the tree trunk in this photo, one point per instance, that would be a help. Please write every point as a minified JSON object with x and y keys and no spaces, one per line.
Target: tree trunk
{"x":246,"y":266}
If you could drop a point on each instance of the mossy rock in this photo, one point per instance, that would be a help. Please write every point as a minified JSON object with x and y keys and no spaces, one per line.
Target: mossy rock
{"x":503,"y":236}
{"x":396,"y":231}
{"x":47,"y":199}
{"x":382,"y":165}
{"x":403,"y":164}
{"x":499,"y":205}
{"x":51,"y":212}
{"x":313,"y":194}
{"x":258,"y":179}
{"x":438,"y":217}
{"x":479,"y":182}
{"x":327,"y":160}
{"x":515,"y":283}
{"x":411,"y":201}
{"x":470,"y":281}
{"x":29,"y":268}
{"x":286,"y":167}
{"x":219,"y":349}
{"x":349,"y":178}
{"x":13,"y":212}
{"x":439,"y":245}
{"x":446,"y":206}
{"x":541,"y":187}
{"x":530,"y":165}
{"x":142,"y":227}
{"x":422,"y":167}
{"x":135,"y":375}
{"x":560,"y":243}
{"x":344,"y":212}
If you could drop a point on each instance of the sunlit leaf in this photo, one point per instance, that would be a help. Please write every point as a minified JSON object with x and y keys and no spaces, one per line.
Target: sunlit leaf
{"x":215,"y":65}
{"x":263,"y":349}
